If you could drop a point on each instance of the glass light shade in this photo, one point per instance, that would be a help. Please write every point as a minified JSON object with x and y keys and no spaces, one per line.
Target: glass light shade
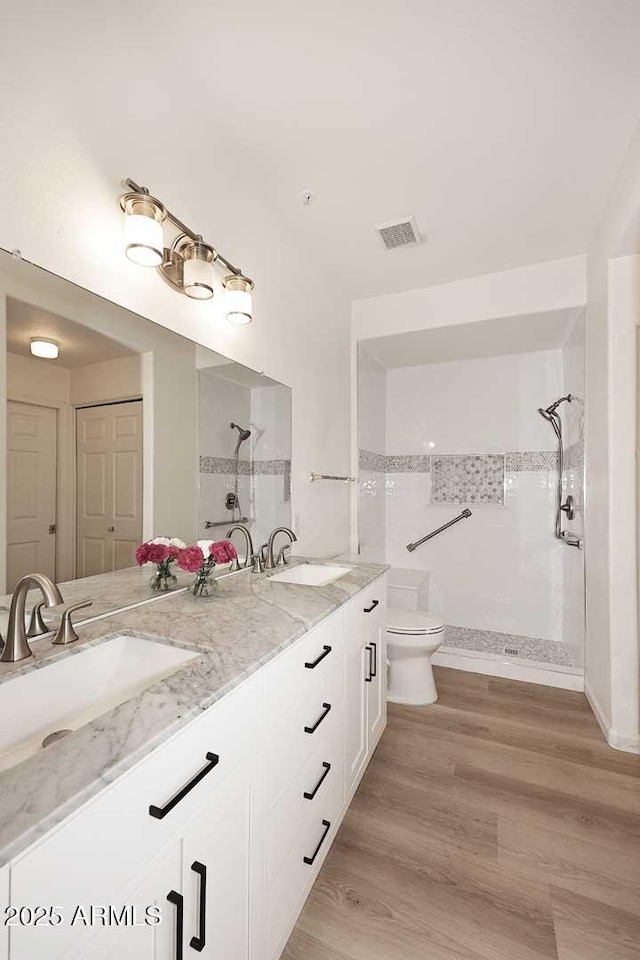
{"x":198,"y":270}
{"x":143,"y":231}
{"x":237,"y":299}
{"x":45,"y":349}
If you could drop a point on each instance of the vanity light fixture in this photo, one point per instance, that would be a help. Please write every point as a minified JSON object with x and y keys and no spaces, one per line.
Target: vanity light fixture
{"x":187,"y":264}
{"x":44,"y":349}
{"x":237,"y":297}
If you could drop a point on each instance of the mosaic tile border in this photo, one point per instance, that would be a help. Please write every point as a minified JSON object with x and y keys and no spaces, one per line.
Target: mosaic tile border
{"x":574,"y":456}
{"x":372,"y":462}
{"x":510,"y":644}
{"x":522,"y":461}
{"x":527,"y":461}
{"x":226,"y":466}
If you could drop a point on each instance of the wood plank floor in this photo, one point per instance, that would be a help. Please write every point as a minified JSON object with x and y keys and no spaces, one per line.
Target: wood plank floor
{"x":494,"y":825}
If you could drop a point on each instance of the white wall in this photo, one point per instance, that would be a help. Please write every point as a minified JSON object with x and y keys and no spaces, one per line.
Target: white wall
{"x":501,"y":569}
{"x":60,"y":208}
{"x":105,"y":382}
{"x":612,"y":662}
{"x":371,"y":420}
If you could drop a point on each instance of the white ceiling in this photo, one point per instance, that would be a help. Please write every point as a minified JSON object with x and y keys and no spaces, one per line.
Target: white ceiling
{"x":472,"y":341}
{"x":499,"y":124}
{"x":79,"y":345}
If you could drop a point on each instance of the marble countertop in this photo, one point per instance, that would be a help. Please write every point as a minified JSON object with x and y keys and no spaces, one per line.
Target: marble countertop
{"x":247,"y":622}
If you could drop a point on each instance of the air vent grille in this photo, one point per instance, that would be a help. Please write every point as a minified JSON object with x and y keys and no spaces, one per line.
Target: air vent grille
{"x":399,"y":233}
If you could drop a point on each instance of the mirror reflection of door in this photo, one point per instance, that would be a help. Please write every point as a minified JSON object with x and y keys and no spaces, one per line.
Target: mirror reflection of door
{"x":109,"y":487}
{"x":31,"y":491}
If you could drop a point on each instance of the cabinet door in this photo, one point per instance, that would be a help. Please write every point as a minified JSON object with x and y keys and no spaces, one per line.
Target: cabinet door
{"x":223,"y":873}
{"x":143,"y":925}
{"x":357,"y":671}
{"x":377,"y":684}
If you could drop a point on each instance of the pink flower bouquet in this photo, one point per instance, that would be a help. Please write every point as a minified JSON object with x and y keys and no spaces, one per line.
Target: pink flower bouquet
{"x":201,"y":559}
{"x":162,"y":552}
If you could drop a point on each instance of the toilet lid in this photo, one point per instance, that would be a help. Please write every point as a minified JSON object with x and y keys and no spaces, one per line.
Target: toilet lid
{"x":413,"y":622}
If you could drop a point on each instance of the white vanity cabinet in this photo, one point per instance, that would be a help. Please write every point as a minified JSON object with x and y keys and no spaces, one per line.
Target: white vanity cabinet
{"x":204,"y":787}
{"x":223,"y":828}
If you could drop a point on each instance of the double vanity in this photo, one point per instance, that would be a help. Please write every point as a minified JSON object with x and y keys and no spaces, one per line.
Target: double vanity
{"x":214,"y":747}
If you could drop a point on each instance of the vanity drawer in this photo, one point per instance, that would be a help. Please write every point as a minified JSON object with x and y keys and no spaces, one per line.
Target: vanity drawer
{"x":297,"y":875}
{"x":299,"y":668}
{"x":92,"y":857}
{"x":317,"y":715}
{"x":305,"y":793}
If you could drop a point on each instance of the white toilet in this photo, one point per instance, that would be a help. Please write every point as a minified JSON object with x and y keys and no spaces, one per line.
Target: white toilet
{"x":412,"y":639}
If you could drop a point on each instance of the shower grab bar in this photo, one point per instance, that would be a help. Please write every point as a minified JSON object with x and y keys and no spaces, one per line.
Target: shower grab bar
{"x":434,"y":533}
{"x":224,"y":523}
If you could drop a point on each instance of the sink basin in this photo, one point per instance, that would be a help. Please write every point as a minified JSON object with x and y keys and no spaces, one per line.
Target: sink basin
{"x":50,"y":701}
{"x":311,"y":574}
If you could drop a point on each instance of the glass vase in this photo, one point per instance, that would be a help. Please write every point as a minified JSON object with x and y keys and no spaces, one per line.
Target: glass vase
{"x":163,"y":578}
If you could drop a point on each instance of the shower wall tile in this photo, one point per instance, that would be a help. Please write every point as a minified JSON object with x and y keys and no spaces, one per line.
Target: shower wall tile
{"x":408,"y":463}
{"x":574,"y":456}
{"x":468,"y":479}
{"x":372,"y":462}
{"x":226,"y":466}
{"x":532,"y":460}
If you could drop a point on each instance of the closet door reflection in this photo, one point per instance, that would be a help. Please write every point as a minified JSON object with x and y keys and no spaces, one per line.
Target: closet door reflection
{"x":109,"y":487}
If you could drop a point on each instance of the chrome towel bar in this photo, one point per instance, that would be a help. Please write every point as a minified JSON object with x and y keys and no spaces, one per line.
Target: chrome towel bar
{"x":434,"y":533}
{"x":329,"y":476}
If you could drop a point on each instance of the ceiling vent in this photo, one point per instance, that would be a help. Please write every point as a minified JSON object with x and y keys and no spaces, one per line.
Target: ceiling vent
{"x":399,"y":233}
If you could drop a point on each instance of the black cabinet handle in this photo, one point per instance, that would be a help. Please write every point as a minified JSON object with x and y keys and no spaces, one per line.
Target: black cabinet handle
{"x":160,"y":812}
{"x":374,"y":668}
{"x":369,"y":676}
{"x":326,"y":650}
{"x":327,"y":827}
{"x":326,"y":707}
{"x":310,"y":796}
{"x":374,"y":604}
{"x":178,"y":901}
{"x":198,"y":943}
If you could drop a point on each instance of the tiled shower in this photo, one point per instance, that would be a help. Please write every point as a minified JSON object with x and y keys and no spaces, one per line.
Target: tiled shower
{"x":437,"y":438}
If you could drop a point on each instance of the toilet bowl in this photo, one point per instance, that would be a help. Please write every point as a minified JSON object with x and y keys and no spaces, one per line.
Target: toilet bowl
{"x":412,"y":638}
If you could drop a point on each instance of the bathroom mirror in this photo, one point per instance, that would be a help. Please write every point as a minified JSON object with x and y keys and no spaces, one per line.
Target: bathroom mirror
{"x":116,"y":430}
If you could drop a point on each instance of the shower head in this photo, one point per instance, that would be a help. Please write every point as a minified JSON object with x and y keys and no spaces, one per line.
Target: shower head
{"x":550,"y":412}
{"x":243,"y":434}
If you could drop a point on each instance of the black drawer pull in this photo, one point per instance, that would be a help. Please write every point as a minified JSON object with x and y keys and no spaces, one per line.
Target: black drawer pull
{"x":326,"y":650}
{"x":198,"y":943}
{"x":370,"y":674}
{"x":327,"y":827}
{"x":160,"y":812}
{"x":374,"y":604}
{"x":374,"y":668}
{"x":178,"y":901}
{"x":310,"y":796}
{"x":325,"y":710}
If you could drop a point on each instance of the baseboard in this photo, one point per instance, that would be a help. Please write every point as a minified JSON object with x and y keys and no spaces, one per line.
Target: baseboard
{"x":529,"y":672}
{"x":615,"y":739}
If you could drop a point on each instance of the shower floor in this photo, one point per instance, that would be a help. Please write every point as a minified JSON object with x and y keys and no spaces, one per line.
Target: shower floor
{"x":513,"y":646}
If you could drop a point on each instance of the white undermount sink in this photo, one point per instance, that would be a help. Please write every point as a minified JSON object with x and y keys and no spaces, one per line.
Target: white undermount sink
{"x":312,"y":574}
{"x":69,"y":693}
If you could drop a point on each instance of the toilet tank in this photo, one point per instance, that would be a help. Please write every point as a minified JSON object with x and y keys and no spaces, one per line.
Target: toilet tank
{"x":408,"y":589}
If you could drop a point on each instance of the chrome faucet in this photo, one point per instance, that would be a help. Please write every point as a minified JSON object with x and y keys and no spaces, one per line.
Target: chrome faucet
{"x":17,"y":646}
{"x":248,"y":543}
{"x":270,"y":563}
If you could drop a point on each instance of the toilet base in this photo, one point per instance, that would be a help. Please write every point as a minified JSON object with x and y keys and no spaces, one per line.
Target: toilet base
{"x":411,"y":681}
